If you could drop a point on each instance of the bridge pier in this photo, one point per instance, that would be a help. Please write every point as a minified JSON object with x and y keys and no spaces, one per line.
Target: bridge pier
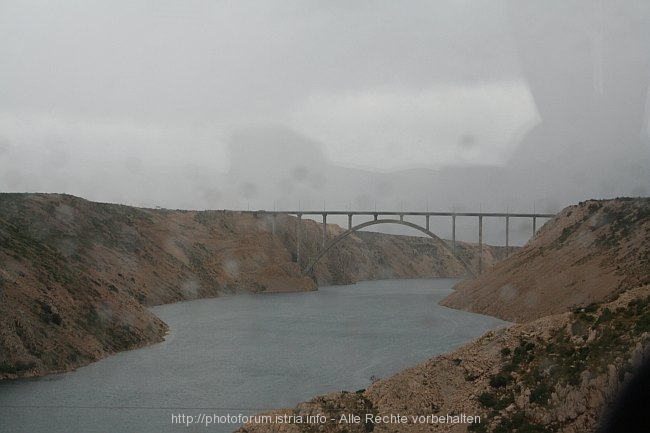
{"x":401,"y":217}
{"x":453,"y":234}
{"x":507,"y":235}
{"x":298,"y":238}
{"x":480,"y":244}
{"x":534,"y":225}
{"x":349,"y":221}
{"x":376,"y":216}
{"x":428,"y":222}
{"x":324,"y":229}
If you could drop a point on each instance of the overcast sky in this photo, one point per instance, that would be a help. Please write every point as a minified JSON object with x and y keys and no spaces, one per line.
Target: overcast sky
{"x":127,"y":100}
{"x":171,"y":80}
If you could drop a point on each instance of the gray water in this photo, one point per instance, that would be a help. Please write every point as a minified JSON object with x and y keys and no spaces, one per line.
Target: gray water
{"x":244,"y":354}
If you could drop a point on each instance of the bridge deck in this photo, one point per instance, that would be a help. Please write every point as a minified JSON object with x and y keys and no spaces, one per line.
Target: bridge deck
{"x":405,"y":213}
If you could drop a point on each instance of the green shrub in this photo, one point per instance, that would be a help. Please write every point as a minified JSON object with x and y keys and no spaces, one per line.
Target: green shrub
{"x":643,"y":324}
{"x":504,"y":401}
{"x":540,"y":394}
{"x":477,"y":427}
{"x":522,"y":352}
{"x":487,"y":399}
{"x":500,"y":380}
{"x":7,"y":367}
{"x":605,"y":316}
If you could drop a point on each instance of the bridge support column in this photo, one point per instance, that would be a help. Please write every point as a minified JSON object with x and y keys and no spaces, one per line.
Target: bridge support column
{"x":428,"y":222}
{"x":349,"y":221}
{"x":480,"y":244}
{"x":401,"y":217}
{"x":453,"y":234}
{"x":376,"y":217}
{"x":534,"y":225}
{"x":324,"y":229}
{"x":507,"y":235}
{"x":298,"y":230}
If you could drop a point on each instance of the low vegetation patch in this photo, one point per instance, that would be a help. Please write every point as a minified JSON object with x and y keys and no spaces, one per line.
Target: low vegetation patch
{"x":594,"y":338}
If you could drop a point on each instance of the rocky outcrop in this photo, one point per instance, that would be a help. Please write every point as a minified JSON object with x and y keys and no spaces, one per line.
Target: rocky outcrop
{"x":76,"y":276}
{"x":587,"y":253}
{"x":556,"y":374}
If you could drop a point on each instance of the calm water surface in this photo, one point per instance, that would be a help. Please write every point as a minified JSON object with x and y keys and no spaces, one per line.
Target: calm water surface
{"x":243,"y":354}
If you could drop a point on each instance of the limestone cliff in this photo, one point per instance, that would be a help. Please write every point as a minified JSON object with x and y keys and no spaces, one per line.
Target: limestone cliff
{"x":585,"y":254}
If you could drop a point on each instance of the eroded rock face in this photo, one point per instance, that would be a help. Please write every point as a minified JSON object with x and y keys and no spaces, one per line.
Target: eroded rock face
{"x":586,"y":254}
{"x":76,"y":276}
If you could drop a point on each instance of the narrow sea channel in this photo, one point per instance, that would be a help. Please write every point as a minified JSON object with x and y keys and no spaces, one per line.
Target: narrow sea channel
{"x":245,"y":354}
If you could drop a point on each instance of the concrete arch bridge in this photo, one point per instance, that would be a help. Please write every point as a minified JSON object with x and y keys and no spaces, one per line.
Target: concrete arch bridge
{"x":388,"y":217}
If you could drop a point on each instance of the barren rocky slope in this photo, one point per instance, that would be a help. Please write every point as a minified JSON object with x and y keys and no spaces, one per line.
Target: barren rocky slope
{"x":76,"y":276}
{"x":557,"y":373}
{"x":587,"y":253}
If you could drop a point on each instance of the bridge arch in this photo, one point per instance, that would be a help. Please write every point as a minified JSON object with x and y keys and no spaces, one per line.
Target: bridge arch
{"x":358,"y":227}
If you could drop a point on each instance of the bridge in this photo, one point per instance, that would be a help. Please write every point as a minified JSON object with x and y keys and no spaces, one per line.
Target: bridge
{"x":388,"y":217}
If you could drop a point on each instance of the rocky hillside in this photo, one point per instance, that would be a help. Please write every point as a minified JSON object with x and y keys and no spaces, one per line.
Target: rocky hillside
{"x":555,"y":374}
{"x":583,"y":283}
{"x":586,"y":254}
{"x":76,"y":276}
